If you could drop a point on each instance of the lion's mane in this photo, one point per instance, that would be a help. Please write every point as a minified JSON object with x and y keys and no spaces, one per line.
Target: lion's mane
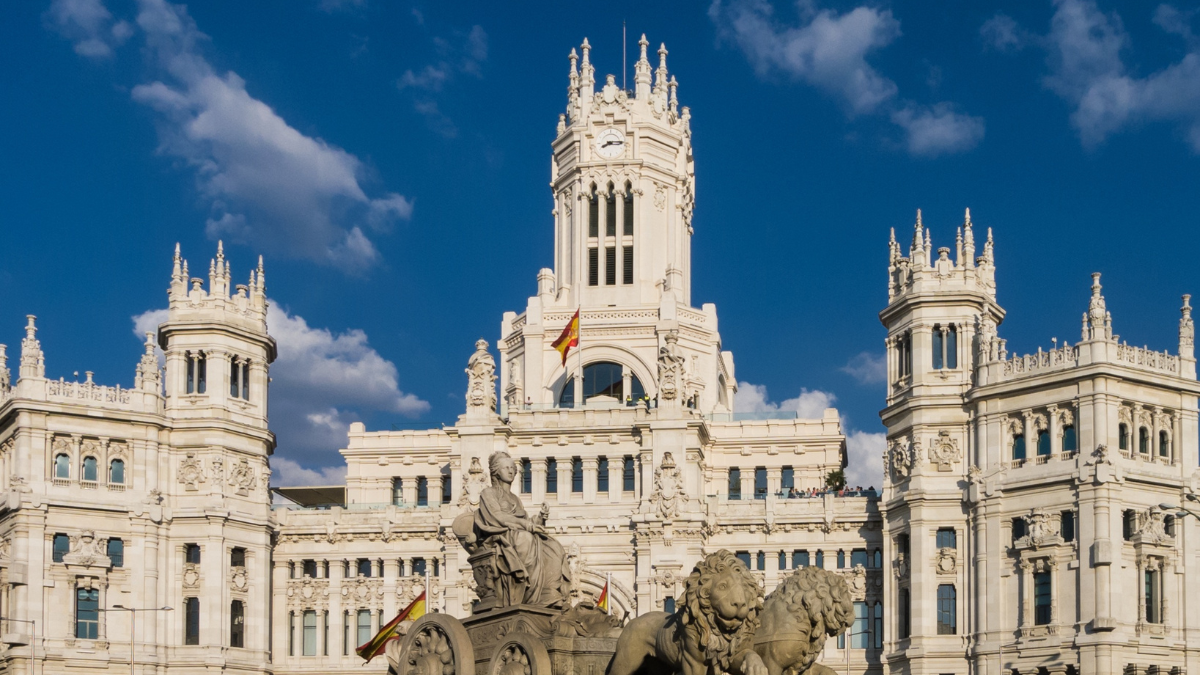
{"x":820,"y":597}
{"x":699,"y":616}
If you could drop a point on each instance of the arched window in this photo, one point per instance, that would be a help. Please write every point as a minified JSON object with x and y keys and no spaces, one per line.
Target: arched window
{"x":1018,"y":447}
{"x":62,"y":466}
{"x":610,"y":212}
{"x":1144,"y":440}
{"x":1164,"y":444}
{"x":89,"y":468}
{"x":1069,"y":443}
{"x":952,"y":347}
{"x":939,"y":348}
{"x":1123,"y":436}
{"x":602,"y":379}
{"x":593,"y":213}
{"x":593,"y":233}
{"x":1043,"y":443}
{"x":116,"y":471}
{"x":627,"y":230}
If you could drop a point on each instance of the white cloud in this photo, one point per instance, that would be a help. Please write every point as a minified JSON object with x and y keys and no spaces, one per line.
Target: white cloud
{"x":829,"y":51}
{"x":867,"y":368}
{"x":463,"y":53}
{"x":1087,"y":69}
{"x":1002,"y":33}
{"x":753,"y":398}
{"x":938,"y":130}
{"x":288,"y":473}
{"x":89,"y":25}
{"x":865,"y":458}
{"x":267,"y":184}
{"x":321,"y":381}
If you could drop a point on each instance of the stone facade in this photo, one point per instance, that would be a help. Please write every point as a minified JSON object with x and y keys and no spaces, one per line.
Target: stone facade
{"x":1017,"y":530}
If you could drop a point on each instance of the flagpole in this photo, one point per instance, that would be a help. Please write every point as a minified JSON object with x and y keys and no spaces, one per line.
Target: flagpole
{"x":608,"y":594}
{"x":428,"y":600}
{"x":579,"y":353}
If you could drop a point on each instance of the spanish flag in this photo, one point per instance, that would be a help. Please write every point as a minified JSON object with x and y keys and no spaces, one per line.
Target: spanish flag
{"x":569,"y":337}
{"x":602,"y":601}
{"x":375,"y":647}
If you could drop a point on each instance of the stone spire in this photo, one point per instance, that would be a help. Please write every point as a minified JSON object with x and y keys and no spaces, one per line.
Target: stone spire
{"x":1187,"y":329}
{"x":5,"y":374}
{"x":917,"y":252}
{"x":968,"y":245}
{"x":33,"y":361}
{"x":573,"y":88}
{"x":587,"y":77}
{"x":148,"y":377}
{"x":1098,"y":318}
{"x":660,"y":75}
{"x":641,"y":72}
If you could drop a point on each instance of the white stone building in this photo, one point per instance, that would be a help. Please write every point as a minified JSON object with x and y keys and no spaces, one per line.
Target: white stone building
{"x":1010,"y":541}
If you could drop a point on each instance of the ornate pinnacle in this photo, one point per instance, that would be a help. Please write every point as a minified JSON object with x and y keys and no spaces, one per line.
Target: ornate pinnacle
{"x":967,"y":219}
{"x":643,"y":43}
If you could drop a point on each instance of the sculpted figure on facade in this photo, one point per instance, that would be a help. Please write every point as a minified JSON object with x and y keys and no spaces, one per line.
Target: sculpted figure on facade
{"x":522,"y":564}
{"x":481,"y":380}
{"x":474,"y":485}
{"x":987,"y":338}
{"x":670,"y":369}
{"x":668,"y":497}
{"x":1187,"y":328}
{"x":899,"y":460}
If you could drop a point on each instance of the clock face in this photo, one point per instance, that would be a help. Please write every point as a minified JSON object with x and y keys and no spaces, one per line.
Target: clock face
{"x":610,"y":143}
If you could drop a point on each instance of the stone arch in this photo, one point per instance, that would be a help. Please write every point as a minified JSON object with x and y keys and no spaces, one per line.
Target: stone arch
{"x":595,"y":354}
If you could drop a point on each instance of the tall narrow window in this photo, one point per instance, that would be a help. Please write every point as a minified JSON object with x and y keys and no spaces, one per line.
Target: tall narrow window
{"x":669,"y":605}
{"x":939,"y":348}
{"x":346,"y":632}
{"x":309,"y":568}
{"x":1153,"y":592}
{"x":62,"y":546}
{"x":952,"y":347}
{"x":1144,"y":440}
{"x":116,"y":472}
{"x":397,"y":491}
{"x":1128,"y":524}
{"x":1164,"y":444}
{"x":201,"y":374}
{"x":309,"y":643}
{"x":905,"y":618}
{"x":858,"y":558}
{"x":1123,"y":436}
{"x":760,"y":482}
{"x":246,"y":379}
{"x":446,"y":485}
{"x":551,"y":476}
{"x":610,"y":266}
{"x":628,"y":226}
{"x":526,"y":476}
{"x":422,"y":491}
{"x":760,"y":561}
{"x":576,"y":474}
{"x":191,"y":621}
{"x":610,"y":212}
{"x":363,"y":566}
{"x":62,"y":466}
{"x":628,"y":480}
{"x":87,"y":613}
{"x":191,"y":372}
{"x":877,"y":558}
{"x":877,"y":628}
{"x":325,"y":633}
{"x":947,"y":538}
{"x":627,"y":264}
{"x":1018,"y":447}
{"x":237,"y":557}
{"x":364,"y":626}
{"x":1069,"y":442}
{"x":593,"y":214}
{"x":235,"y":375}
{"x":1043,"y":443}
{"x":841,"y":559}
{"x":947,"y":610}
{"x":602,"y":475}
{"x":89,"y":469}
{"x":1041,"y":598}
{"x":1018,"y":528}
{"x":787,"y":479}
{"x":1068,"y":525}
{"x":821,"y":559}
{"x":116,"y":552}
{"x":860,"y":631}
{"x":237,"y":624}
{"x":593,"y":267}
{"x":191,"y":553}
{"x":799,"y":559}
{"x":735,"y":483}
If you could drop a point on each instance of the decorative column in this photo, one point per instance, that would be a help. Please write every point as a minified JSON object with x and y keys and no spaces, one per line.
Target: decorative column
{"x":616,"y":478}
{"x":626,"y":380}
{"x":1054,"y":431}
{"x":774,"y":480}
{"x":538,"y":479}
{"x":435,"y":487}
{"x":1029,"y":433}
{"x":722,"y":476}
{"x":564,"y":480}
{"x":1026,"y":596}
{"x":590,"y":465}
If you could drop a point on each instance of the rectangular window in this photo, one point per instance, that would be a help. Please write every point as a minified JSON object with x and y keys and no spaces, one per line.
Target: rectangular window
{"x":952,"y":347}
{"x":346,"y":632}
{"x":325,"y":633}
{"x":576,"y":475}
{"x":397,"y":491}
{"x":947,"y":610}
{"x":446,"y":485}
{"x":116,"y":552}
{"x":1068,"y":526}
{"x":610,"y":214}
{"x":1128,"y":524}
{"x":877,"y":629}
{"x":201,"y":375}
{"x":787,"y":479}
{"x":418,"y":567}
{"x":364,"y":626}
{"x":858,"y":558}
{"x":235,"y":371}
{"x":841,"y":559}
{"x":610,"y":266}
{"x":760,"y":561}
{"x":628,"y":475}
{"x":191,"y":553}
{"x":1018,"y":529}
{"x":760,"y":482}
{"x":551,"y":476}
{"x":237,"y":557}
{"x":669,"y":605}
{"x":744,"y":556}
{"x":246,"y":380}
{"x":860,"y":631}
{"x":821,"y":559}
{"x":947,"y":538}
{"x":309,"y":643}
{"x":237,"y":624}
{"x":310,"y":568}
{"x":363,"y":567}
{"x":593,"y":266}
{"x":628,"y":226}
{"x":905,"y":618}
{"x":87,"y":613}
{"x":526,"y":476}
{"x":938,"y":348}
{"x":62,"y":546}
{"x":422,"y":491}
{"x":593,"y":215}
{"x":602,"y":475}
{"x":627,"y":267}
{"x":191,"y":372}
{"x":799,"y":559}
{"x":782,"y":560}
{"x":735,"y":483}
{"x":1153,"y":598}
{"x":191,"y":621}
{"x":1041,"y":598}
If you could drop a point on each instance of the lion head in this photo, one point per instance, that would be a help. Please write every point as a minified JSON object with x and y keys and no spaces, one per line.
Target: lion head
{"x":819,"y":601}
{"x":721,"y":604}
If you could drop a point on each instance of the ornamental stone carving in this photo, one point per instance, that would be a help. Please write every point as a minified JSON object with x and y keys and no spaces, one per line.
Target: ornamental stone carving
{"x":191,"y":576}
{"x":308,"y":593}
{"x":242,"y":478}
{"x":238,"y":581}
{"x":944,"y":451}
{"x":474,"y":485}
{"x":1150,"y":527}
{"x":670,"y":369}
{"x":481,"y":381}
{"x":899,"y":459}
{"x":191,"y":472}
{"x":1041,"y":529}
{"x":87,"y":550}
{"x":363,"y":590}
{"x":1187,"y":328}
{"x":667,"y":498}
{"x":947,"y":560}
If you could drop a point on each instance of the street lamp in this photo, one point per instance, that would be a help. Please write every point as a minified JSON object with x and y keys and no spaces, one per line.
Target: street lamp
{"x":32,"y":639}
{"x":133,"y":624}
{"x":1180,"y":511}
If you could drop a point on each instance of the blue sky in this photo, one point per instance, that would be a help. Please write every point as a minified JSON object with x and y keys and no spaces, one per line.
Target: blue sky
{"x":390,"y":161}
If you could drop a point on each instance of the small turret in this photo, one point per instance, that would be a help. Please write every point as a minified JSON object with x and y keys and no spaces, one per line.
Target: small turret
{"x":1187,"y":339}
{"x":968,"y":246}
{"x":1099,"y":321}
{"x":148,"y":377}
{"x":33,"y":361}
{"x":5,"y":374}
{"x":587,"y":77}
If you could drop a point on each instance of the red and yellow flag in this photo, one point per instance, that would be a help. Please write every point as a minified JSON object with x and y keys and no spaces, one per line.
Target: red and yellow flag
{"x":602,"y":601}
{"x":569,"y":337}
{"x":375,"y":646}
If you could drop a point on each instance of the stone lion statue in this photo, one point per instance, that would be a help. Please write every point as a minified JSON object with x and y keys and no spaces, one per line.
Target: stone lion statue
{"x":708,"y":635}
{"x":809,"y":606}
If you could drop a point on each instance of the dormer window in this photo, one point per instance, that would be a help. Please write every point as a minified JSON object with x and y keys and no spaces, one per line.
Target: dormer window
{"x":197,"y":372}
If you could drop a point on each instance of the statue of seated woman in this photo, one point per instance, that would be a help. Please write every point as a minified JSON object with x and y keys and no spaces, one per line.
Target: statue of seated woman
{"x":530,"y":566}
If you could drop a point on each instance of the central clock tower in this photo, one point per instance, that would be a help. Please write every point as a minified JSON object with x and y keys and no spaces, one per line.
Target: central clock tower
{"x":624,"y":187}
